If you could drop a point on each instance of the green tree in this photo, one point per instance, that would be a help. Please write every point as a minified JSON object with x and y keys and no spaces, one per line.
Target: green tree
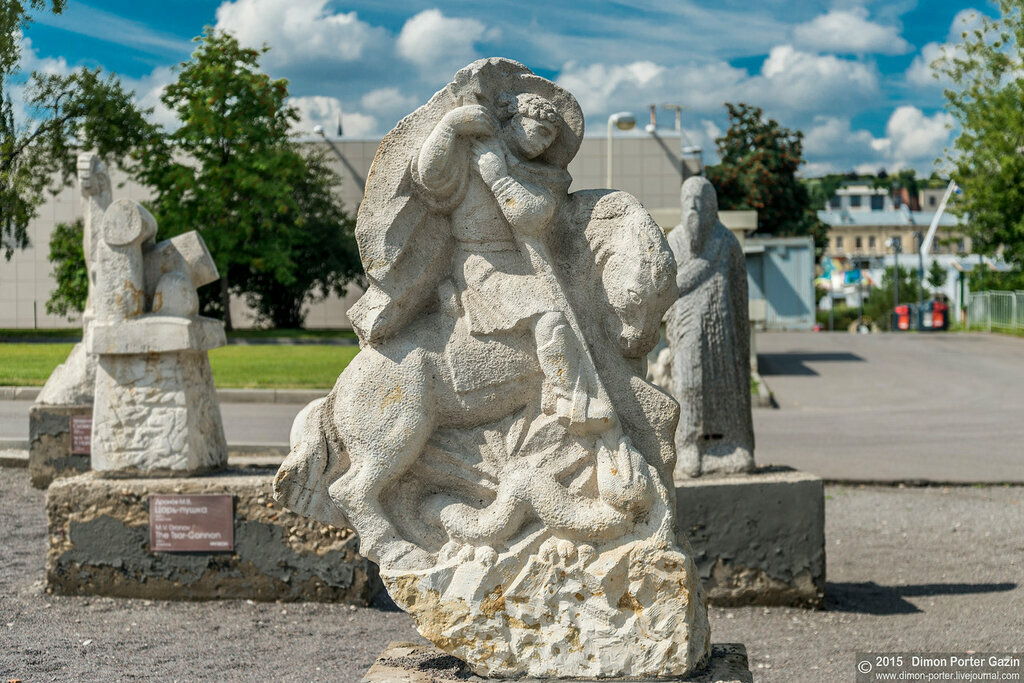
{"x":936,"y":276}
{"x":759,"y":161}
{"x":986,"y":74}
{"x":80,"y":110}
{"x":320,"y":240}
{"x":231,"y":171}
{"x":69,"y":271}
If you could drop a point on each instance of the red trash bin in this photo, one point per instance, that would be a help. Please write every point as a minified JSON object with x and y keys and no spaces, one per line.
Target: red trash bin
{"x":902,"y":317}
{"x":940,"y":315}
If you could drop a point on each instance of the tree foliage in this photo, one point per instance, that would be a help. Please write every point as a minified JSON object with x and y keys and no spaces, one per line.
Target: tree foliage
{"x":936,"y":275}
{"x":80,"y":110}
{"x":986,"y":73}
{"x":265,"y":210}
{"x":759,"y":162}
{"x":69,"y":272}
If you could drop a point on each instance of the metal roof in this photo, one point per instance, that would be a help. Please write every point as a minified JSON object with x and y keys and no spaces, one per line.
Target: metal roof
{"x":898,"y":218}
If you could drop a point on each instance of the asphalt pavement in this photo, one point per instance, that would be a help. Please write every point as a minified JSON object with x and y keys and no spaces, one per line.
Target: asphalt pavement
{"x":244,"y":423}
{"x":943,"y":407}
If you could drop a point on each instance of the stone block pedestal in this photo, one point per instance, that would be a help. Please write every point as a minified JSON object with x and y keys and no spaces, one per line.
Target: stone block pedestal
{"x":49,"y":433}
{"x":758,"y":538}
{"x":424,"y":663}
{"x":100,"y":545}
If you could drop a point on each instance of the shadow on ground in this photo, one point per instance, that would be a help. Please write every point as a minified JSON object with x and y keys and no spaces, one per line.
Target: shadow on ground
{"x":870,"y":598}
{"x":795,"y":362}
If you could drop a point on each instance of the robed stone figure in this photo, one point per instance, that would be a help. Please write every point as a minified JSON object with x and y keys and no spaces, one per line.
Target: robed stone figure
{"x":708,"y":330}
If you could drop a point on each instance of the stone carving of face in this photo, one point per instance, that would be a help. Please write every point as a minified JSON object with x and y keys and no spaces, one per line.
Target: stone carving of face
{"x":528,"y":137}
{"x":91,"y":175}
{"x":700,"y":209}
{"x":532,"y":127}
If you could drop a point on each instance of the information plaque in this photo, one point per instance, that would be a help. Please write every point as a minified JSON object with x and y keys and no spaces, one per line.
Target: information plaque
{"x":191,"y":522}
{"x":81,"y":434}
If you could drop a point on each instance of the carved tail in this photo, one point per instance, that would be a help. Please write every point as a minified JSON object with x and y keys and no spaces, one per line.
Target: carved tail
{"x":313,"y":464}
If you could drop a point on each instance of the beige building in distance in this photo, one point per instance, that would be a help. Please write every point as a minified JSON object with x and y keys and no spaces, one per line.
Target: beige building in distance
{"x":862,"y":220}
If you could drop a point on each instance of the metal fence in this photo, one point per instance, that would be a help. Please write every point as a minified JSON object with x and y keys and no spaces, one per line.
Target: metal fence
{"x":995,"y":310}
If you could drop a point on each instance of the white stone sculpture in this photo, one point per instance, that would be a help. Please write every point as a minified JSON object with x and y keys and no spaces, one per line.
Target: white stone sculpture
{"x":155,"y":410}
{"x":708,"y":332}
{"x":72,"y":382}
{"x":494,"y":443}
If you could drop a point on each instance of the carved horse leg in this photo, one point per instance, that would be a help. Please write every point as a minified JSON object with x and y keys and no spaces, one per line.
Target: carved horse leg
{"x":385,"y":434}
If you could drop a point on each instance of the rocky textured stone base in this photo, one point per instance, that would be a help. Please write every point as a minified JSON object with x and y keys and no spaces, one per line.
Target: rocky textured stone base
{"x":757,"y":538}
{"x":50,"y":457}
{"x":99,"y":545}
{"x":424,"y":663}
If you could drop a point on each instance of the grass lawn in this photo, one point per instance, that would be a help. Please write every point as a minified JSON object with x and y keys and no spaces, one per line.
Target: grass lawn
{"x":76,"y":333}
{"x":234,"y":367}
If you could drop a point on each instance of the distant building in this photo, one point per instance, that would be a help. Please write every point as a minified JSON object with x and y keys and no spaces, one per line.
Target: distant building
{"x":863,"y":219}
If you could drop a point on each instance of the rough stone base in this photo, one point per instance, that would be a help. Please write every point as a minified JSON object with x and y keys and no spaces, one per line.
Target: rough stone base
{"x":758,"y":538}
{"x":424,"y":663}
{"x":99,"y":545}
{"x":50,"y":443}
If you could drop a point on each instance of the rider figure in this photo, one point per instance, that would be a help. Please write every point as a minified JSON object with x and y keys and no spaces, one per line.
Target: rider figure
{"x":484,"y":171}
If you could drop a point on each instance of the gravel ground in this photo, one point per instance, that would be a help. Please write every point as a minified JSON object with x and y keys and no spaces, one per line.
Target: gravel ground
{"x":933,"y":569}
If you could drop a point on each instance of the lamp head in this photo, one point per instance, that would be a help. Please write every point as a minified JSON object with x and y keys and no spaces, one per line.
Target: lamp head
{"x":623,"y":120}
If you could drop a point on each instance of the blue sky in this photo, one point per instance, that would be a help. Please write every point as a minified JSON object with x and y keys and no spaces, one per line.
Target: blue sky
{"x":852,"y":75}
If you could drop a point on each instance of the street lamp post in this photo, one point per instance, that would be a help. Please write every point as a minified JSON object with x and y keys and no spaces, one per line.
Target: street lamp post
{"x":896,"y":246}
{"x":920,"y":271}
{"x":622,"y":120}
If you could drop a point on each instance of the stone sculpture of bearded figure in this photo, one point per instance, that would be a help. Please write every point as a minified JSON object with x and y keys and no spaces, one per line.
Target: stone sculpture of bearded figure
{"x":708,"y":332}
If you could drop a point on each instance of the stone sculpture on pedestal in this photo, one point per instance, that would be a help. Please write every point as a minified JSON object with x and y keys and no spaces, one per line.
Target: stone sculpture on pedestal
{"x":708,"y":332}
{"x":494,"y":443}
{"x":155,"y":410}
{"x":66,"y":398}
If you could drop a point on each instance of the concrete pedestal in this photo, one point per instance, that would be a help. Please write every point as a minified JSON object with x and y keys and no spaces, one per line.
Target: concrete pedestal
{"x":758,"y":538}
{"x":100,"y":545}
{"x":422,"y":663}
{"x":49,"y":433}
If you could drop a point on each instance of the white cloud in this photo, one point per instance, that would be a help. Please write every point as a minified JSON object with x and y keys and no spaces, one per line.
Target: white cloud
{"x":792,"y":85}
{"x":388,"y":101}
{"x":916,"y":136}
{"x":148,"y":91}
{"x":113,"y":28}
{"x":324,"y":111}
{"x":912,"y":139}
{"x":793,"y":81}
{"x":920,"y":73}
{"x":430,"y":40}
{"x":31,"y":61}
{"x":299,"y":31}
{"x":596,"y":86}
{"x":832,"y":134}
{"x":850,"y":32}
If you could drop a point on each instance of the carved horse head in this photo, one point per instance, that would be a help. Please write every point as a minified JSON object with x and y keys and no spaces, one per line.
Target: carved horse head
{"x":635,"y":268}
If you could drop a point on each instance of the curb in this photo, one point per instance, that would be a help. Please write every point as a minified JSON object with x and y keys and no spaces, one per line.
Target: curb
{"x":293,"y":396}
{"x":14,"y":453}
{"x":764,"y":394}
{"x":19,"y":393}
